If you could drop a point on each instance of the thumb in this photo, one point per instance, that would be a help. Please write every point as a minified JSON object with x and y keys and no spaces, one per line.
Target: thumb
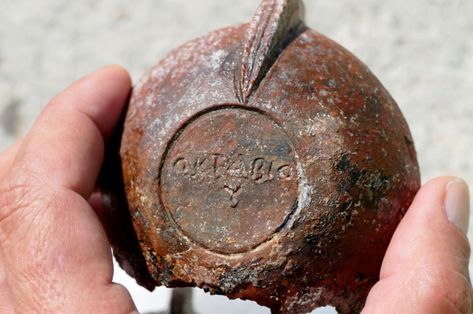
{"x":425,"y":269}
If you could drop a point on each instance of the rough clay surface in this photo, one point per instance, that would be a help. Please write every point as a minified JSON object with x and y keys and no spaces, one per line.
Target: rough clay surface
{"x":354,"y":172}
{"x":425,"y":62}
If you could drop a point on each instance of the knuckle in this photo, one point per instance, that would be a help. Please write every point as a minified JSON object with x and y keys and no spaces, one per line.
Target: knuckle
{"x":446,"y":290}
{"x":19,"y":195}
{"x":116,"y":299}
{"x":460,"y":297}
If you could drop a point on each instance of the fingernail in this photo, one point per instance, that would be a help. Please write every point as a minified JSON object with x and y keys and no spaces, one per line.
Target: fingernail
{"x":457,"y":204}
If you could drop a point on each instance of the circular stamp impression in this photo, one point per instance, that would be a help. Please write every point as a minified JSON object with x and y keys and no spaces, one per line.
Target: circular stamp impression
{"x":229,"y":179}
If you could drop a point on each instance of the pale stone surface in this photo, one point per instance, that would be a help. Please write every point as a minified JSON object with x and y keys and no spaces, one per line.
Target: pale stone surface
{"x":421,"y":50}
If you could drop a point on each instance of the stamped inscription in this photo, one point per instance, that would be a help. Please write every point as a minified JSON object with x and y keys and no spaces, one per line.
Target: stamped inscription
{"x":229,"y":180}
{"x":214,"y":166}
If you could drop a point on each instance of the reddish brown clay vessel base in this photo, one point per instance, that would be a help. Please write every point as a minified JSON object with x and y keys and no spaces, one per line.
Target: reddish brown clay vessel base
{"x":261,"y":162}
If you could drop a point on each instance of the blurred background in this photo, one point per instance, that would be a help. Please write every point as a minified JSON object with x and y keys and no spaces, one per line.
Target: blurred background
{"x":421,"y":50}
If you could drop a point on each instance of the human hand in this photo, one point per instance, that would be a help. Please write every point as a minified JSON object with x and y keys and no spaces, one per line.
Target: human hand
{"x":54,"y":253}
{"x":425,"y":269}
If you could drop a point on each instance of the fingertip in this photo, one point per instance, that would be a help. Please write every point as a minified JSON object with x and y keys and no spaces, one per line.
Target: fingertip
{"x":102,"y":95}
{"x":427,"y":205}
{"x":426,"y":235}
{"x":112,"y":70}
{"x":457,"y":204}
{"x":449,"y":193}
{"x":115,"y":83}
{"x":119,"y":72}
{"x":426,"y":263}
{"x":432,"y":191}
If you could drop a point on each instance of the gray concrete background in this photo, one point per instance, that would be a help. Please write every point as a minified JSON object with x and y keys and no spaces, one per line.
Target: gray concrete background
{"x":422,"y":51}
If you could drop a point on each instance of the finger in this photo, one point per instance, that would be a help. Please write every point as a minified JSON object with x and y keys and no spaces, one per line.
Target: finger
{"x":425,"y":269}
{"x":65,"y":146}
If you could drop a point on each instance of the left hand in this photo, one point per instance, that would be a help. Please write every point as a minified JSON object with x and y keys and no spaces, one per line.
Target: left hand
{"x":54,"y":252}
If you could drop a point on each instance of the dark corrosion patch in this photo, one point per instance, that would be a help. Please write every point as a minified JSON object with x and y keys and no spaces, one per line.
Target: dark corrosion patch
{"x":229,"y":179}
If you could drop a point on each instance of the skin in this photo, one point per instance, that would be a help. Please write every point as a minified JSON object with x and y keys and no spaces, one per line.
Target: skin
{"x":54,"y":252}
